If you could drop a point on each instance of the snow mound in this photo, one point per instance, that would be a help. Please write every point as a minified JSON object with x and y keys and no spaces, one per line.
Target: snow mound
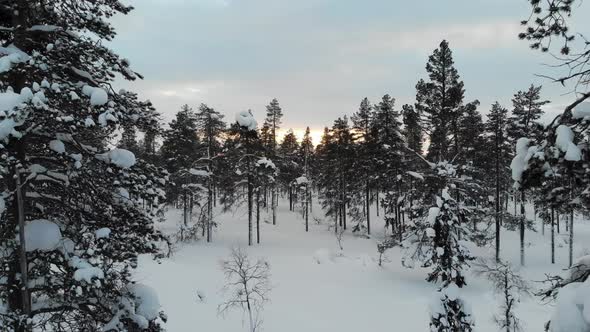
{"x":565,"y":143}
{"x":99,"y":97}
{"x":11,"y":56}
{"x":120,"y":157}
{"x":572,"y":310}
{"x":246,"y":119}
{"x":416,"y":175}
{"x":84,"y":270}
{"x":199,"y":172}
{"x":324,"y":256}
{"x":147,"y":303}
{"x":103,"y":233}
{"x":41,"y":235}
{"x":581,"y":111}
{"x":57,"y":146}
{"x":2,"y":204}
{"x":9,"y":100}
{"x":301,"y":180}
{"x":266,"y":163}
{"x":519,"y":163}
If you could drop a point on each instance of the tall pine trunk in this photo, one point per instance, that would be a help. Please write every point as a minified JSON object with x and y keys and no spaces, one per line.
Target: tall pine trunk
{"x":571,"y":244}
{"x":368,"y":205}
{"x":522,"y":227}
{"x":552,"y":236}
{"x":497,"y":206}
{"x":258,"y":215}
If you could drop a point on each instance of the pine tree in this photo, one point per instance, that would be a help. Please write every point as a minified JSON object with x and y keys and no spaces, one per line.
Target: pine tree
{"x":471,"y":137}
{"x":523,"y":124}
{"x":390,"y":150}
{"x":412,"y":132}
{"x":211,"y":126}
{"x":434,"y":241}
{"x":129,"y":139}
{"x":245,"y":149}
{"x":180,"y":151}
{"x":274,"y":115}
{"x":289,"y":164}
{"x":364,"y":126}
{"x":306,"y":154}
{"x":439,"y":100}
{"x":62,"y":181}
{"x":497,"y":140}
{"x":526,"y":112}
{"x":335,"y":157}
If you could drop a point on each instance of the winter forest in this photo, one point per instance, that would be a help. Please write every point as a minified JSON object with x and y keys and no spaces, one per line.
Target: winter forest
{"x":441,"y":214}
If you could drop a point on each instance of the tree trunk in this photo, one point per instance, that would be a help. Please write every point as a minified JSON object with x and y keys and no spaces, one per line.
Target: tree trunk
{"x":571,"y":244}
{"x":257,"y":215}
{"x":368,"y":205}
{"x":497,"y":207}
{"x":307,"y":207}
{"x":24,"y":269}
{"x":377,"y":202}
{"x":522,"y":228}
{"x":274,"y":205}
{"x":552,"y":236}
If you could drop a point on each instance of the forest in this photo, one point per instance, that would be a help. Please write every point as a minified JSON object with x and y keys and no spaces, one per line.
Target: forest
{"x":100,"y":193}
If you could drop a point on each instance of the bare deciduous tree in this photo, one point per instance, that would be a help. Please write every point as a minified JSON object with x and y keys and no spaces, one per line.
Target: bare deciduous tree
{"x":507,"y":283}
{"x":247,"y":286}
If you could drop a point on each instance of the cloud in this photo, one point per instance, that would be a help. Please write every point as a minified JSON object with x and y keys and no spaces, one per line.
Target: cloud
{"x":468,"y":36}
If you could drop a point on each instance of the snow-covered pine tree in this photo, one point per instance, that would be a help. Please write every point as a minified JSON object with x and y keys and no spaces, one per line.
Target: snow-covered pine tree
{"x":471,"y":139}
{"x":412,"y":132}
{"x":272,"y":123}
{"x":497,"y":139}
{"x":434,"y":240}
{"x":363,"y":126}
{"x":335,"y":158}
{"x":290,"y":165}
{"x":524,"y":124}
{"x":180,"y":153}
{"x":75,"y":220}
{"x":244,"y":157}
{"x":389,"y":152}
{"x":306,"y":153}
{"x":211,"y":126}
{"x":265,"y":175}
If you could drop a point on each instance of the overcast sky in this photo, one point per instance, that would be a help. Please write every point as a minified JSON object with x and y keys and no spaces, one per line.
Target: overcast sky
{"x":319,"y":58}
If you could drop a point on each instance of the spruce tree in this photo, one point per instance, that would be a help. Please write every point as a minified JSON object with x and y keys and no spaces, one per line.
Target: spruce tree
{"x":75,"y":222}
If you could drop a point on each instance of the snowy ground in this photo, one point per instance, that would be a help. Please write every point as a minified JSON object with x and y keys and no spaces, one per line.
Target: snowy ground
{"x":316,"y":291}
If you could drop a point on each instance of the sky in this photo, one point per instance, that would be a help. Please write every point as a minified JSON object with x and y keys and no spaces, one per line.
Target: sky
{"x":319,"y":58}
